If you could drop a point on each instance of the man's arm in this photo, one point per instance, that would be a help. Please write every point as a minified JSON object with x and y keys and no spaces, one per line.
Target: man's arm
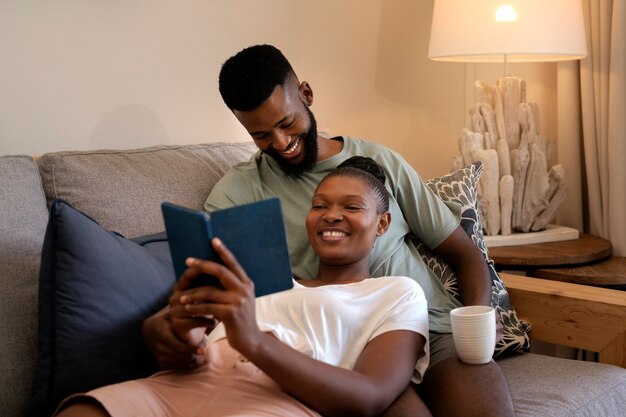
{"x":417,"y":201}
{"x":470,"y":267}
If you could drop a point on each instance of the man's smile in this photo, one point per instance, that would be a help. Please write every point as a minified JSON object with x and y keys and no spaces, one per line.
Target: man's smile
{"x":290,"y":150}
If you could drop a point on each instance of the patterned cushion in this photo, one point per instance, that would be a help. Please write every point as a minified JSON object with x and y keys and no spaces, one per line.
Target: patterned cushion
{"x":460,"y":187}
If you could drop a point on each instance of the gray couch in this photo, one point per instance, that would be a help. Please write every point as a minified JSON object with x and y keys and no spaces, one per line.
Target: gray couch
{"x":121,"y":190}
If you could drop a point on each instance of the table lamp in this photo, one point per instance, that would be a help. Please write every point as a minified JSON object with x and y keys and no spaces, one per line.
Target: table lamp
{"x":520,"y":189}
{"x":507,"y":31}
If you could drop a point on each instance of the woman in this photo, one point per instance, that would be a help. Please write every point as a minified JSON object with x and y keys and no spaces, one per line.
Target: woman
{"x":340,"y":344}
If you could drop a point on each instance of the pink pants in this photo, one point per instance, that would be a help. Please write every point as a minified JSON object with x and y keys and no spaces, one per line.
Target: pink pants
{"x":227,"y":385}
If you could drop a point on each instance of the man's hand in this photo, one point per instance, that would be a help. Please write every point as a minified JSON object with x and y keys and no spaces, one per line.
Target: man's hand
{"x":499,"y":327}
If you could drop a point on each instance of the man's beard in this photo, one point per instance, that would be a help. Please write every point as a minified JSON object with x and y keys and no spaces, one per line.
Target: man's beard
{"x":309,"y":143}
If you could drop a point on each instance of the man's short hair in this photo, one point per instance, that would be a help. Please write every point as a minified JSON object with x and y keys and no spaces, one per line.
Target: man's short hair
{"x":249,"y":77}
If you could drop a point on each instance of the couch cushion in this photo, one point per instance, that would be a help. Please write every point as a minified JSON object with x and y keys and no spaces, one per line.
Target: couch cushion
{"x":95,"y":290}
{"x":123,"y":189}
{"x":553,"y":387}
{"x":22,"y":224}
{"x":459,"y":187}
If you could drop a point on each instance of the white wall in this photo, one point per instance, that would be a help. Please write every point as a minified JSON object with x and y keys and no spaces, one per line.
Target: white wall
{"x":88,"y":74}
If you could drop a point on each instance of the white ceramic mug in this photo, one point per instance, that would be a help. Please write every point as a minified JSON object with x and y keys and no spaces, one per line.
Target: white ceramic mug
{"x":474,"y":333}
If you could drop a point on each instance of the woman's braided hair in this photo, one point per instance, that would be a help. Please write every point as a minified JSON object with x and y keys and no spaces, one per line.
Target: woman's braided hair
{"x":370,"y":172}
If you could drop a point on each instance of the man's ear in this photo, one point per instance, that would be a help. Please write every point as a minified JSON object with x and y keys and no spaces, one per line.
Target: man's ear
{"x":383,"y":223}
{"x":307,"y":92}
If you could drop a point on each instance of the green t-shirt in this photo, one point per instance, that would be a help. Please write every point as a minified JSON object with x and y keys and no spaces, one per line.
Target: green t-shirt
{"x":414,"y":209}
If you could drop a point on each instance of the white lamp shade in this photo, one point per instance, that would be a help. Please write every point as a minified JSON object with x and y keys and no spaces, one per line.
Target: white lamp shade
{"x":542,"y":31}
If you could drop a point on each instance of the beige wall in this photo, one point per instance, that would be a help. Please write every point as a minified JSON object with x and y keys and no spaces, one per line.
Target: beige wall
{"x":87,"y":74}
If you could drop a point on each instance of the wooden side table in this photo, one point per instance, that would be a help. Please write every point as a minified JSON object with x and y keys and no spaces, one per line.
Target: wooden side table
{"x":565,"y":253}
{"x":609,"y":273}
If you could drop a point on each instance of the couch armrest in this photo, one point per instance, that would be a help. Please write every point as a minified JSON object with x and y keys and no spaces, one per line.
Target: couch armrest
{"x":572,"y":315}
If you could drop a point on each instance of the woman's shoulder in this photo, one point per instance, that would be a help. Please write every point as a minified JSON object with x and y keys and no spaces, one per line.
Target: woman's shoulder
{"x":401,"y":280}
{"x":402,"y":284}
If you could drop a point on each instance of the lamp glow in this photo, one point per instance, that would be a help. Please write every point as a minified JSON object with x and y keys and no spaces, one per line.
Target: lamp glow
{"x":506,"y":13}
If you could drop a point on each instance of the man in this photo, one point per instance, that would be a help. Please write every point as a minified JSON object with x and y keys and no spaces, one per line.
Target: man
{"x":260,"y":87}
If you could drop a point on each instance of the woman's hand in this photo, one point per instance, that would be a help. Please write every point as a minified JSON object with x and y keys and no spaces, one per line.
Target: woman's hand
{"x":188,"y":327}
{"x":174,"y":336}
{"x":233,"y":304}
{"x":170,"y":351}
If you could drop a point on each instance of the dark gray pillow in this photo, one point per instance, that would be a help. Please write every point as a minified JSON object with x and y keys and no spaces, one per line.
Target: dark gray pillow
{"x":95,"y":289}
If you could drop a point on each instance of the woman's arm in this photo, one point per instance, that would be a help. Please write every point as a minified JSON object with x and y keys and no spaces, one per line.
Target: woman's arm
{"x":168,"y":349}
{"x":382,"y":371}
